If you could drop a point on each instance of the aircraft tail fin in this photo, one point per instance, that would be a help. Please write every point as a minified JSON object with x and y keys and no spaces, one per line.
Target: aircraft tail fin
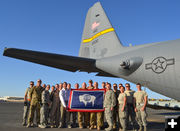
{"x":99,"y":38}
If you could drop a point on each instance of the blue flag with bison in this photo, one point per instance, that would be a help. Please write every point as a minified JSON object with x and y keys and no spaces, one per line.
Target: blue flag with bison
{"x":83,"y":100}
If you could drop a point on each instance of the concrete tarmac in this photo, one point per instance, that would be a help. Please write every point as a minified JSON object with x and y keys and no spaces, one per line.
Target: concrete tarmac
{"x":11,"y":118}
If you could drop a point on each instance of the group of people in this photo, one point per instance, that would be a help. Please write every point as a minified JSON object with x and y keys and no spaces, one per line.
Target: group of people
{"x":123,"y":109}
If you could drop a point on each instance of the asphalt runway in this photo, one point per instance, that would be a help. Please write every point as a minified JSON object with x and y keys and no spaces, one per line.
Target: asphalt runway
{"x":11,"y":118}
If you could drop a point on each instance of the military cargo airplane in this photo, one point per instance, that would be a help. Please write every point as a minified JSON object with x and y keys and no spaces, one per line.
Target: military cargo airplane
{"x":154,"y":65}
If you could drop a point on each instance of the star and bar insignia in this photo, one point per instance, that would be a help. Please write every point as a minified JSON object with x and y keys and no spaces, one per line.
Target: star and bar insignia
{"x":159,"y":64}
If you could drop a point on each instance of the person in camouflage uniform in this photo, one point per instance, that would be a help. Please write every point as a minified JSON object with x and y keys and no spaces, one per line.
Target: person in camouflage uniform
{"x":27,"y":103}
{"x":99,"y":115}
{"x":109,"y":104}
{"x":45,"y":107}
{"x":44,"y":86}
{"x":115,"y":111}
{"x":122,"y":100}
{"x":130,"y":108}
{"x":35,"y":97}
{"x":140,"y":102}
{"x":92,"y":115}
{"x":83,"y":117}
{"x":55,"y":107}
{"x":51,"y":97}
{"x":103,"y":87}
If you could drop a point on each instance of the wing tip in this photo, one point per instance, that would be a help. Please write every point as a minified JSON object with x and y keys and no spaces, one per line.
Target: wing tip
{"x":5,"y":51}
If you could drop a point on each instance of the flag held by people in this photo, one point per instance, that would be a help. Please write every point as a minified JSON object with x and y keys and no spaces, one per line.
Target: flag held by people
{"x":86,"y":100}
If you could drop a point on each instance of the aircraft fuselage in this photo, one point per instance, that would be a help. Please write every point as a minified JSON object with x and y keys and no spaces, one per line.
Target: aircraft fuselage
{"x":159,"y":69}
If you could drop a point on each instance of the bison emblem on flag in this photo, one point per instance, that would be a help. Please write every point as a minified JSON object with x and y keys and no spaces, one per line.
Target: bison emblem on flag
{"x":87,"y":98}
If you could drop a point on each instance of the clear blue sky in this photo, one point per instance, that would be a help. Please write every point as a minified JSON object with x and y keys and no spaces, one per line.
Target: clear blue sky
{"x":56,"y":26}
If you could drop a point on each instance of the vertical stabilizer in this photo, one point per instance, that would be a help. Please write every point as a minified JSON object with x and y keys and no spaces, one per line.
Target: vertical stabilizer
{"x":99,"y":39}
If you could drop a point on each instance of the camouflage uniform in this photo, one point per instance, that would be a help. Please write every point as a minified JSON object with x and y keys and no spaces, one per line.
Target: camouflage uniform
{"x":35,"y":97}
{"x":109,"y":102}
{"x":26,"y":105}
{"x":122,"y":114}
{"x":54,"y":113}
{"x":96,"y":118}
{"x":83,"y":116}
{"x":51,"y":101}
{"x":44,"y":108}
{"x":140,"y":115}
{"x":130,"y":108}
{"x":92,"y":119}
{"x":100,"y":119}
{"x":115,"y":111}
{"x":92,"y":115}
{"x":101,"y":116}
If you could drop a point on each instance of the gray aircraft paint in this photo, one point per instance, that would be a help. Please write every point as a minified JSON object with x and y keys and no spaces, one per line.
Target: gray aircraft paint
{"x":154,"y":65}
{"x":163,"y":81}
{"x":99,"y":47}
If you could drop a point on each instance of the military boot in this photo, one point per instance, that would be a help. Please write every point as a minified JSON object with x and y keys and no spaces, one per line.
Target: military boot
{"x":114,"y":126}
{"x":80,"y":126}
{"x":24,"y":124}
{"x":53,"y":126}
{"x":98,"y":128}
{"x":74,"y":125}
{"x":42,"y":126}
{"x":29,"y":125}
{"x":145,"y":128}
{"x":69,"y":126}
{"x":134,"y":129}
{"x":120,"y":129}
{"x":109,"y":128}
{"x":91,"y":127}
{"x":61,"y":125}
{"x":140,"y":128}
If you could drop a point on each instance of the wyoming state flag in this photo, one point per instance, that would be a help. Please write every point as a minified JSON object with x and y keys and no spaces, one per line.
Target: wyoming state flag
{"x":86,"y":100}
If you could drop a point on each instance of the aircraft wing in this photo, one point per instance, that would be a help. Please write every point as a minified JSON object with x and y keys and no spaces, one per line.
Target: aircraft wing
{"x":64,"y":62}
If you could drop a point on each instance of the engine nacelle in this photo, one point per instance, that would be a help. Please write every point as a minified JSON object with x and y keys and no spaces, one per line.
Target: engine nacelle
{"x":117,"y":65}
